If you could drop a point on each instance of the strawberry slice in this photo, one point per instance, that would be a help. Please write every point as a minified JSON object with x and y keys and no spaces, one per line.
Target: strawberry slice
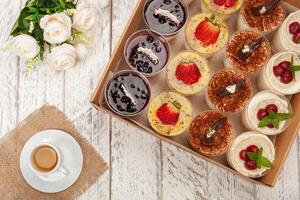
{"x":188,"y":73}
{"x":167,"y":115}
{"x":230,"y":3}
{"x":207,"y":31}
{"x":219,"y":2}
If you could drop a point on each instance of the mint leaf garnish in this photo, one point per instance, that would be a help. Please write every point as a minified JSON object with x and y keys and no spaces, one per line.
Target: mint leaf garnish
{"x":212,"y":19}
{"x":275,"y":119}
{"x":259,"y":159}
{"x":294,"y":68}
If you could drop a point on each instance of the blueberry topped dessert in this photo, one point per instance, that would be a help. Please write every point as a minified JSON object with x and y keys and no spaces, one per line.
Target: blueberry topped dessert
{"x":165,"y":16}
{"x":127,"y":93}
{"x":146,"y":52}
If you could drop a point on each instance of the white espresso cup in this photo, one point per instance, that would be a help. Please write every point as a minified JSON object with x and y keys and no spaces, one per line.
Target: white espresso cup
{"x":56,"y":167}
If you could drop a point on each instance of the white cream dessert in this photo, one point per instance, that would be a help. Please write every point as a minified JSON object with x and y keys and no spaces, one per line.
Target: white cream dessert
{"x":251,"y":154}
{"x":287,"y":37}
{"x":188,"y":73}
{"x":260,"y":107}
{"x":281,"y":74}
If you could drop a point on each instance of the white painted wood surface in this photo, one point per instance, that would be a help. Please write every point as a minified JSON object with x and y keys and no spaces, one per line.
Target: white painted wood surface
{"x":142,"y":167}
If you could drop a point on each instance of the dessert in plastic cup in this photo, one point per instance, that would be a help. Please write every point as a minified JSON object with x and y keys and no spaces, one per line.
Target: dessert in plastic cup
{"x":147,"y":52}
{"x":281,"y":74}
{"x":127,"y":93}
{"x":251,"y":154}
{"x":247,"y":51}
{"x":166,"y":17}
{"x":206,"y":33}
{"x":210,"y":133}
{"x":170,"y":113}
{"x":287,"y":37}
{"x":224,"y":8}
{"x":268,"y":113}
{"x":264,"y":16}
{"x":188,"y":73}
{"x":228,"y":91}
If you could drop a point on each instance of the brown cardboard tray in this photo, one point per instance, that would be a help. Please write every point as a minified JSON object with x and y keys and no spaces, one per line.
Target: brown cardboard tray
{"x":282,"y":142}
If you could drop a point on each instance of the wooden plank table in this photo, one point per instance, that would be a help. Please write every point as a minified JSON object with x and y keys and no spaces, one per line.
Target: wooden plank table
{"x":142,"y":167}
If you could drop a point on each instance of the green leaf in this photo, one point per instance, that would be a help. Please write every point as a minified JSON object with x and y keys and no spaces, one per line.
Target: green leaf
{"x":177,"y":105}
{"x":30,"y":17}
{"x":274,"y":118}
{"x":265,"y":122}
{"x":265,"y":162}
{"x":296,"y":68}
{"x":252,"y":155}
{"x":260,"y":152}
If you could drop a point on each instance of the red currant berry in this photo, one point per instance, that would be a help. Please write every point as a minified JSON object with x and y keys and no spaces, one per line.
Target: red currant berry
{"x":294,"y":27}
{"x":286,"y":77}
{"x":271,"y":126}
{"x":296,"y":37}
{"x":252,"y":148}
{"x":250,"y":165}
{"x":285,"y":64}
{"x":262,"y":113}
{"x":272,"y":108}
{"x":243,"y":155}
{"x":278,"y":70}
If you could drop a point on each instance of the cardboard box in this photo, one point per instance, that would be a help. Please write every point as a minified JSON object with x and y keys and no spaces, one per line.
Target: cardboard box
{"x":282,"y":142}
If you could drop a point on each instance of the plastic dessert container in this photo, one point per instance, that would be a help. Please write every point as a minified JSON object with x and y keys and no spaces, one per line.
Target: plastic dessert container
{"x":228,"y":91}
{"x":170,"y":113}
{"x":222,"y":8}
{"x":263,"y":21}
{"x":206,"y":33}
{"x":255,"y":60}
{"x":283,"y":39}
{"x":127,"y":93}
{"x":147,"y":52}
{"x":259,"y":111}
{"x":250,"y":142}
{"x":188,"y":73}
{"x":278,"y":74}
{"x":166,"y":17}
{"x":211,"y":133}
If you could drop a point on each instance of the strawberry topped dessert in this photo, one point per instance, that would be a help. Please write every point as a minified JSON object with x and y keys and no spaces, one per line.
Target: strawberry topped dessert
{"x":206,"y":33}
{"x":251,"y":154}
{"x":170,"y":113}
{"x":188,"y":73}
{"x":267,"y":113}
{"x":282,"y":74}
{"x":223,"y":8}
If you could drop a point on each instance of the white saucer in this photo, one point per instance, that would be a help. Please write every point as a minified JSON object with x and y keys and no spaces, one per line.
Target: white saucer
{"x":72,"y":159}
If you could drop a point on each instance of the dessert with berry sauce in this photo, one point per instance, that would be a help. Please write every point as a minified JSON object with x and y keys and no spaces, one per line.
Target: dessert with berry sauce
{"x":147,"y":52}
{"x":268,"y":113}
{"x":281,"y":74}
{"x":251,"y":154}
{"x":287,"y":37}
{"x":166,"y":17}
{"x":170,"y":113}
{"x":206,"y":33}
{"x":264,"y":16}
{"x":228,"y":91}
{"x":127,"y":93}
{"x":188,"y":73}
{"x":210,"y":133}
{"x":247,"y":51}
{"x":224,"y":8}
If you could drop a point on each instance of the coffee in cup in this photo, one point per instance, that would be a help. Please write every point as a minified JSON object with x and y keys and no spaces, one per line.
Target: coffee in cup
{"x":44,"y":158}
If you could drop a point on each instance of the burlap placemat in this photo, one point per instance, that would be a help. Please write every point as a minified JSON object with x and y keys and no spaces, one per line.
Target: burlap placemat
{"x":12,"y":183}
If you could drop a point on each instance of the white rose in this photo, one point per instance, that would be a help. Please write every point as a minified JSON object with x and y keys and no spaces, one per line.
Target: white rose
{"x":62,"y":57}
{"x":25,"y":46}
{"x":81,"y":50}
{"x":84,"y":17}
{"x":57,"y":27}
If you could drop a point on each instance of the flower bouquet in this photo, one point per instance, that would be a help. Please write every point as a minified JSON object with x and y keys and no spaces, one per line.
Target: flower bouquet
{"x":54,"y":32}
